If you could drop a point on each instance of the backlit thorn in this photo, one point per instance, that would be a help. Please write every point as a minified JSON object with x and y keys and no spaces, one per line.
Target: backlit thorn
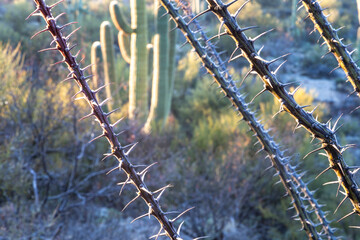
{"x":358,"y":227}
{"x":240,"y":8}
{"x":105,"y":101}
{"x":276,"y":59}
{"x":156,"y":236}
{"x":115,"y":168}
{"x":139,"y":217}
{"x":66,"y":79}
{"x":198,"y":15}
{"x":261,"y":34}
{"x":147,"y":168}
{"x":342,"y":201}
{"x":179,"y":228}
{"x":351,"y":53}
{"x":185,"y":43}
{"x":246,"y":75}
{"x":39,"y":32}
{"x":118,"y":134}
{"x":260,"y":50}
{"x":221,"y":25}
{"x":329,"y":52}
{"x":248,"y":28}
{"x":66,"y":25}
{"x":55,"y":4}
{"x":261,"y":92}
{"x":59,"y":16}
{"x":106,"y":155}
{"x":86,"y":116}
{"x":87,"y":67}
{"x":72,"y":47}
{"x":72,"y":33}
{"x":74,"y":96}
{"x":324,"y":171}
{"x":217,"y":36}
{"x":295,"y":90}
{"x":203,"y":237}
{"x":232,"y":54}
{"x":331,"y":182}
{"x":34,"y":13}
{"x":313,"y":151}
{"x":347,"y":215}
{"x":62,"y":61}
{"x":127,"y":181}
{"x":176,"y":218}
{"x":111,"y":112}
{"x":236,"y":57}
{"x":336,"y":122}
{"x":116,"y":123}
{"x":48,"y":49}
{"x":87,"y":78}
{"x":100,"y":136}
{"x":128,"y":204}
{"x":100,"y":88}
{"x":130,"y":149}
{"x":277,"y":69}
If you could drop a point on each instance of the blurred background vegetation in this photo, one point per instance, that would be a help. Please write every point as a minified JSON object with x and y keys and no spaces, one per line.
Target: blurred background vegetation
{"x":53,"y":184}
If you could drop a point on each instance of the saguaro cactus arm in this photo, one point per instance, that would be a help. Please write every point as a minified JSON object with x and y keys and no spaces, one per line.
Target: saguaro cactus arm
{"x":334,"y":43}
{"x":323,"y":132}
{"x":117,"y":150}
{"x":118,"y":18}
{"x":291,"y":181}
{"x":124,"y":45}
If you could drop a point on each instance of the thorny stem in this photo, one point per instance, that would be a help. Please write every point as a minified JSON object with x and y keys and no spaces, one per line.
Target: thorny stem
{"x":334,"y":43}
{"x":289,"y":178}
{"x":321,"y":131}
{"x":117,"y":149}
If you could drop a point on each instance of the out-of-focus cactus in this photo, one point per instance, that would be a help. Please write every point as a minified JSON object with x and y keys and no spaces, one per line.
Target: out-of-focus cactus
{"x":162,"y":67}
{"x":138,"y":30}
{"x":95,"y":62}
{"x":107,"y":49}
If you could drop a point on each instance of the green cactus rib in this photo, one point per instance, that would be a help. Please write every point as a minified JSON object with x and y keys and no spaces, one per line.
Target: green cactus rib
{"x":323,"y":132}
{"x":334,"y":43}
{"x":117,"y":150}
{"x":291,"y":181}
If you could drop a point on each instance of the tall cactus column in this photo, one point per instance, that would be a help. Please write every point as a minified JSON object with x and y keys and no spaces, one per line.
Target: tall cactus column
{"x":138,"y":30}
{"x":107,"y":49}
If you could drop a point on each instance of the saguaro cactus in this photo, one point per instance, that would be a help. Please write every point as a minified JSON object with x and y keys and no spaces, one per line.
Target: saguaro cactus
{"x":107,"y":49}
{"x":138,"y":30}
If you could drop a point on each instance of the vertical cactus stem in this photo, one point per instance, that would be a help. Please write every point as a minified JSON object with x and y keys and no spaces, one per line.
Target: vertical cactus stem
{"x":172,"y":67}
{"x":107,"y":49}
{"x":285,"y":170}
{"x":334,"y":43}
{"x":320,"y":131}
{"x":117,"y":149}
{"x":95,"y":61}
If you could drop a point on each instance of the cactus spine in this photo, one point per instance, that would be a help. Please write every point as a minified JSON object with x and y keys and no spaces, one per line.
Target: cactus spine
{"x":138,"y":31}
{"x":95,"y":62}
{"x":107,"y":49}
{"x":287,"y":173}
{"x":324,"y":132}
